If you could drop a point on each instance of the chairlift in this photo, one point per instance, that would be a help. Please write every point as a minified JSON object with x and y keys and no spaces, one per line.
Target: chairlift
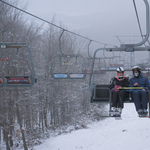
{"x":115,"y":62}
{"x":121,"y":60}
{"x":15,"y":54}
{"x":102,"y":93}
{"x":100,"y":66}
{"x":69,"y":66}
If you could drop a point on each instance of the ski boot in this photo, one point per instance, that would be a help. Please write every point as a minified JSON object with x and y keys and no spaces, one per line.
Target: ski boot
{"x":114,"y":112}
{"x":141,"y":113}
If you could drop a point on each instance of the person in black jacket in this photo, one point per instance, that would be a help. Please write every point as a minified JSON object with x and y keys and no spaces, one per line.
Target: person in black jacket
{"x":118,"y":95}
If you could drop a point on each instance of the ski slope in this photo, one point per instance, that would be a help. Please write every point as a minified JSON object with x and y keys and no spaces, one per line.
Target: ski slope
{"x":130,"y":133}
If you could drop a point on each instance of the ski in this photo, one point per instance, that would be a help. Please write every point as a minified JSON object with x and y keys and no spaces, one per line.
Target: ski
{"x":115,"y":113}
{"x":144,"y":116}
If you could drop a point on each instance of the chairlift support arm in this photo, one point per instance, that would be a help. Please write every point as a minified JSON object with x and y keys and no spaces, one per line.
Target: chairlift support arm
{"x":130,"y":47}
{"x":60,"y":42}
{"x":89,"y":48}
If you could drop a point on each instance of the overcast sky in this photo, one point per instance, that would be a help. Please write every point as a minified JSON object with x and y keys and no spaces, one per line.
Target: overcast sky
{"x":100,"y":20}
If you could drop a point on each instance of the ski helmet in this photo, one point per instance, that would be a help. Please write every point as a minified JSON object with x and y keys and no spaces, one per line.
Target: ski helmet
{"x":138,"y":69}
{"x":120,"y":70}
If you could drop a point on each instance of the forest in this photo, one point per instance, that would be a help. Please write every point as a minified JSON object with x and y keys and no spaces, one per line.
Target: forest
{"x":51,"y":106}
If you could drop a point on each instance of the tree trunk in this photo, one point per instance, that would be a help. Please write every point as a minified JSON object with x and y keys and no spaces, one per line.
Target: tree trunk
{"x":22,"y":131}
{"x":6,"y":138}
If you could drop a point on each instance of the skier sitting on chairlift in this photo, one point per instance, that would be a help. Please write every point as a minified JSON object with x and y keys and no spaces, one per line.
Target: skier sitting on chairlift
{"x":140,"y":97}
{"x":118,"y":95}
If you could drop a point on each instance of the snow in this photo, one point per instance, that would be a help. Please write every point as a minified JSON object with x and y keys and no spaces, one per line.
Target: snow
{"x":130,"y":133}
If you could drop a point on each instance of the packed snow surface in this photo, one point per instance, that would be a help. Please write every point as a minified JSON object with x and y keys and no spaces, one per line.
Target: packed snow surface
{"x":130,"y":133}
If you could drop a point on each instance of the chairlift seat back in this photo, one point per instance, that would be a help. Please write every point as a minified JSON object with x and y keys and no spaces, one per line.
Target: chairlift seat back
{"x":101,"y":93}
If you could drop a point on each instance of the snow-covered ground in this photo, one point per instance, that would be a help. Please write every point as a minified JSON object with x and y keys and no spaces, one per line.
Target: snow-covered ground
{"x":130,"y":133}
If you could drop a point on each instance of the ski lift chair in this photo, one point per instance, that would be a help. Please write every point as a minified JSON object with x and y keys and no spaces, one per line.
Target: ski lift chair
{"x":17,"y":81}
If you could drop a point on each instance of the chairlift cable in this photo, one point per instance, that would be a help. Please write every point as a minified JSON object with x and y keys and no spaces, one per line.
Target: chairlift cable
{"x":53,"y":23}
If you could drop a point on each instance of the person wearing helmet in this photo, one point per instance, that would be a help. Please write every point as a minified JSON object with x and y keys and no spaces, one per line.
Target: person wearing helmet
{"x":118,"y":95}
{"x":140,"y":97}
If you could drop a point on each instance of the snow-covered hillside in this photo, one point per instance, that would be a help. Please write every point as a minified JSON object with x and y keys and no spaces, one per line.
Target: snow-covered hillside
{"x":130,"y":133}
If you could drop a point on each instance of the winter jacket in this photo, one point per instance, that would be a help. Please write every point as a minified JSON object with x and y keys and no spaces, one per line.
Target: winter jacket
{"x":142,"y":82}
{"x":123,"y":83}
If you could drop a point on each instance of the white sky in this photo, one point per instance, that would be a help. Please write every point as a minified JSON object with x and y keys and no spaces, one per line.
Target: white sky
{"x":130,"y":133}
{"x":100,"y":20}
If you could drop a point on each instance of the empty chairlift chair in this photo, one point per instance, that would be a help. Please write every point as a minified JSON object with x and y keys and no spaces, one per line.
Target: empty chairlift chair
{"x":17,"y":66}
